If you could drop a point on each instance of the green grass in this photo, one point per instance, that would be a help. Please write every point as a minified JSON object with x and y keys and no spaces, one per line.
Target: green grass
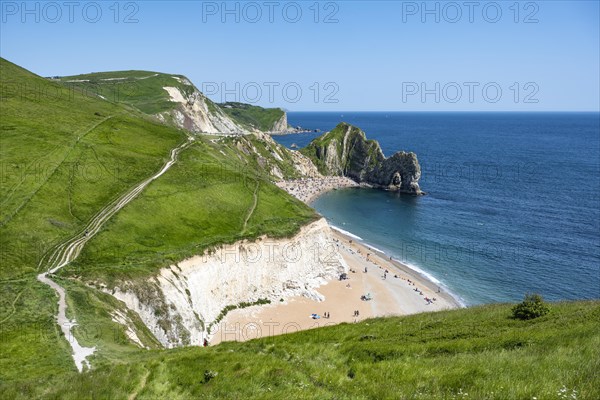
{"x":140,"y":89}
{"x":253,"y":116}
{"x":200,"y":203}
{"x":65,"y":154}
{"x":477,"y":353}
{"x":62,"y":161}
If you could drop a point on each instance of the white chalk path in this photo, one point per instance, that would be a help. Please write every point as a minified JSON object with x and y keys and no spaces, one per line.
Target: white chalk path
{"x":67,"y":251}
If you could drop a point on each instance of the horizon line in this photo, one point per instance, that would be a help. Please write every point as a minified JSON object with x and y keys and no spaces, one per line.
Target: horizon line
{"x":448,"y":111}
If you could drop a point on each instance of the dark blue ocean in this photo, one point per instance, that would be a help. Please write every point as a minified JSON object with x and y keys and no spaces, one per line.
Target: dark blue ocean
{"x":513,"y":203}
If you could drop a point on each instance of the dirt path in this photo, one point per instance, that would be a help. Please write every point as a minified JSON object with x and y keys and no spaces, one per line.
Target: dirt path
{"x":251,"y":211}
{"x":133,"y":395}
{"x":67,"y":251}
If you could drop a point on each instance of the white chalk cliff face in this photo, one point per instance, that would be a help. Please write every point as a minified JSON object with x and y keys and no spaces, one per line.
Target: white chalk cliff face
{"x":194,"y":114}
{"x":182,"y":300}
{"x":281,"y":125}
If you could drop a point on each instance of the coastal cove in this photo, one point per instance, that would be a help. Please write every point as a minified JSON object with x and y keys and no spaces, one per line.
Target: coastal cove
{"x":494,"y":225}
{"x":393,"y":289}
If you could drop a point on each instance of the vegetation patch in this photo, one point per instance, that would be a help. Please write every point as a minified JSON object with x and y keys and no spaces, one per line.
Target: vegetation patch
{"x":533,"y":306}
{"x":560,"y":360}
{"x":251,"y":116}
{"x":243,"y":304}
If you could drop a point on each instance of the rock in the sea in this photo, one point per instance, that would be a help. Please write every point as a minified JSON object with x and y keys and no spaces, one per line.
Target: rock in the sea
{"x":346,"y":151}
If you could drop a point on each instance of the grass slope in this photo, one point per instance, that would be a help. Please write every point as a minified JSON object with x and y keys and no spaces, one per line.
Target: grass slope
{"x":253,"y":116}
{"x":142,"y":90}
{"x":477,"y":353}
{"x":205,"y":200}
{"x":66,"y":153}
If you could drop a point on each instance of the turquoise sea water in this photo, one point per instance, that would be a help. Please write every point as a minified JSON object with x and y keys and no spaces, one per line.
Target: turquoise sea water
{"x":513,"y":203}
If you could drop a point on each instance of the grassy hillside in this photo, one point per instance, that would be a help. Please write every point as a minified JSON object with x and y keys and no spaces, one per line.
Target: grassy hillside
{"x":65,"y":153}
{"x":203,"y":201}
{"x":62,"y":160}
{"x":477,"y":353}
{"x":140,"y":89}
{"x":253,"y":116}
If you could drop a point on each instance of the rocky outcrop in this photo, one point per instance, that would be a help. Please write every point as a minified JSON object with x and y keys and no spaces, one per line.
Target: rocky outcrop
{"x":305,"y":167}
{"x":281,"y":125}
{"x":196,"y":113}
{"x":182,"y":301}
{"x":345,"y":151}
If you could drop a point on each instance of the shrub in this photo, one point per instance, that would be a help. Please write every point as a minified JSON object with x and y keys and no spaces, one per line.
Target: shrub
{"x":533,"y":306}
{"x":208,"y":375}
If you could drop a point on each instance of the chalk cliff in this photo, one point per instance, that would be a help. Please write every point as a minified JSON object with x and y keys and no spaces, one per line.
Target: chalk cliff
{"x":183,"y":301}
{"x":281,"y":125}
{"x":196,"y":113}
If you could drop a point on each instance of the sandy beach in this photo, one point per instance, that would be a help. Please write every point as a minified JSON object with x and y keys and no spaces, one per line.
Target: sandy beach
{"x":394,"y":288}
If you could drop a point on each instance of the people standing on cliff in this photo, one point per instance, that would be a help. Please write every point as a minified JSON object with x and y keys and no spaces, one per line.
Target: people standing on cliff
{"x":205,"y":343}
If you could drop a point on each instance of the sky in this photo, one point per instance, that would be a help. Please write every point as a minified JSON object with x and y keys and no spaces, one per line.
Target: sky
{"x":328,"y":55}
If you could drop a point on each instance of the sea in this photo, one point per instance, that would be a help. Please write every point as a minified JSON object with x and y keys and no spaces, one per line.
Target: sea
{"x":512,"y":204}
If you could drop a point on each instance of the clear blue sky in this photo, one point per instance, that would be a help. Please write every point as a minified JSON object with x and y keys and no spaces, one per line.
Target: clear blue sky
{"x":377,"y":56}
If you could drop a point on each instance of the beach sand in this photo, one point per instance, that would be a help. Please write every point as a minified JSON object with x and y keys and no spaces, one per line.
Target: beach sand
{"x":390,"y":296}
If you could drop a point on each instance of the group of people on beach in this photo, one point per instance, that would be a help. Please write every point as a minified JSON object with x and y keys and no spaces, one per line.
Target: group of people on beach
{"x":428,"y":300}
{"x":306,"y":188}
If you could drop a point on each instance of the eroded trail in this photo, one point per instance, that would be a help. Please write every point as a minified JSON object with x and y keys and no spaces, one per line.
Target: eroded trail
{"x":253,"y":207}
{"x":67,"y":251}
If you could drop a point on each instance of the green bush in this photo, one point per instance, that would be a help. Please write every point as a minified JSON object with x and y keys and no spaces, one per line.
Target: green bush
{"x":533,"y":306}
{"x":208,"y":375}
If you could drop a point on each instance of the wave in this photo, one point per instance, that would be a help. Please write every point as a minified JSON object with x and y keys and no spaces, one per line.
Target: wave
{"x":375,"y":248}
{"x":340,"y":230}
{"x":433,"y":279}
{"x":413,"y":267}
